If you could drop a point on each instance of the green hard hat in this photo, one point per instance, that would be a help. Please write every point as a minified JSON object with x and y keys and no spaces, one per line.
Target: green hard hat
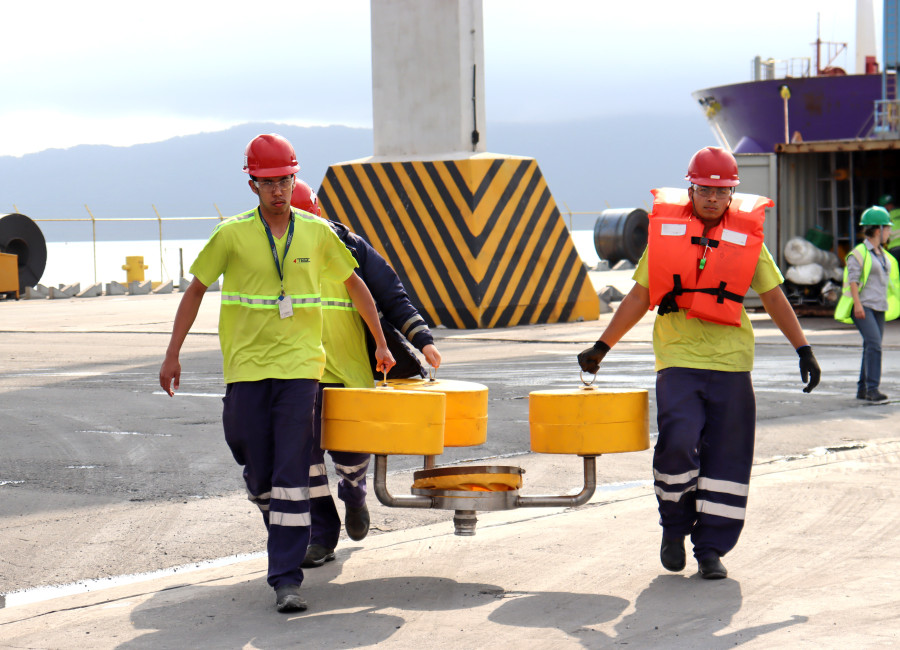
{"x":875,"y":216}
{"x":885,"y":199}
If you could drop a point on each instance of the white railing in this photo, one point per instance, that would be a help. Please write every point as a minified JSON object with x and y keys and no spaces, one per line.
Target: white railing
{"x":94,"y":221}
{"x":764,"y":69}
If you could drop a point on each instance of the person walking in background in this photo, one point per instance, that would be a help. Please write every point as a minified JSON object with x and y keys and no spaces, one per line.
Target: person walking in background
{"x":704,"y":252}
{"x":893,"y":242}
{"x":870,"y":296}
{"x":270,"y":328}
{"x":348,"y":351}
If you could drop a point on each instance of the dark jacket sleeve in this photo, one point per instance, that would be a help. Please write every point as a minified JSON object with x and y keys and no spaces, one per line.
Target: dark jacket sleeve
{"x":400,"y":320}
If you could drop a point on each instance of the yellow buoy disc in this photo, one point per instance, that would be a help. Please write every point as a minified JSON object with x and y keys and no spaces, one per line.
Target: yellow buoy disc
{"x":588,"y":422}
{"x":375,"y":421}
{"x":467,"y":408}
{"x":475,"y":482}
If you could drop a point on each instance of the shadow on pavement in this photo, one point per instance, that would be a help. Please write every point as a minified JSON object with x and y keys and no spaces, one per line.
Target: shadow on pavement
{"x":676,"y":611}
{"x":340,"y":615}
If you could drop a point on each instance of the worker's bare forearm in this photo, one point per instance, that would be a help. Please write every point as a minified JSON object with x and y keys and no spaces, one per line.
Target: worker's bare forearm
{"x":631,"y":310}
{"x":782,"y":314}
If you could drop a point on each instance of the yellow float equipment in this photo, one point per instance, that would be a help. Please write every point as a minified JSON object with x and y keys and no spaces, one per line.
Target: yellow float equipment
{"x":588,"y":421}
{"x":475,"y":481}
{"x":383,"y":421}
{"x":467,"y":408}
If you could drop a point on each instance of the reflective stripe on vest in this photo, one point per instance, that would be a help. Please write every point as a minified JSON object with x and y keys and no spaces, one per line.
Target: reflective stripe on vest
{"x":728,"y":254}
{"x":267,"y":302}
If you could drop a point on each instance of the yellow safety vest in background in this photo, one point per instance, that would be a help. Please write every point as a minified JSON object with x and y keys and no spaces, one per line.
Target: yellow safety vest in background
{"x":894,"y":240}
{"x":845,"y":305}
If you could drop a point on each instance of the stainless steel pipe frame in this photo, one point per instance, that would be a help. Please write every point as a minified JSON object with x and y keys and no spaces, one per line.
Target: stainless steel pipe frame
{"x":464,"y":519}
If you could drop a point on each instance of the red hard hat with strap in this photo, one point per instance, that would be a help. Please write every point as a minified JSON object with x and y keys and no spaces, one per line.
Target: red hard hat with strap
{"x":713,"y":167}
{"x":269,"y":156}
{"x":303,"y":198}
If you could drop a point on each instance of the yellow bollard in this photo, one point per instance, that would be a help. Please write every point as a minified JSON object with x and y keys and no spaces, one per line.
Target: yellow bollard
{"x":134,"y":267}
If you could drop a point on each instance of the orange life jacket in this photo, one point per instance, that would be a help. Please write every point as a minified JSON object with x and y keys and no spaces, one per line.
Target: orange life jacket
{"x":709,"y":276}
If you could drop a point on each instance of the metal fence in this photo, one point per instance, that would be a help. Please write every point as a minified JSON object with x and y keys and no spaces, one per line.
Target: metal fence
{"x":95,"y":220}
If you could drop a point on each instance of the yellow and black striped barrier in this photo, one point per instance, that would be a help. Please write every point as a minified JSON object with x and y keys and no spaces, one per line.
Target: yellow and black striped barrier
{"x":478,"y":242}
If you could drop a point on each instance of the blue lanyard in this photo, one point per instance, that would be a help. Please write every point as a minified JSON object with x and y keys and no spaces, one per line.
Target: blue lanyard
{"x":287,"y":244}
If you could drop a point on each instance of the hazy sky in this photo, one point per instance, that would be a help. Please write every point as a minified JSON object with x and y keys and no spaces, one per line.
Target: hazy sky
{"x":112,"y":72}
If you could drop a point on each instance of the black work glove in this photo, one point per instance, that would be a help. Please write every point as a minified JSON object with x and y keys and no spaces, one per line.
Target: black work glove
{"x":590,"y":359}
{"x":809,"y":368}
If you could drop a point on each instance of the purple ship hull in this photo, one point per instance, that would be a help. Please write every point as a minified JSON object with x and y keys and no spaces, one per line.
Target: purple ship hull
{"x":750,"y":116}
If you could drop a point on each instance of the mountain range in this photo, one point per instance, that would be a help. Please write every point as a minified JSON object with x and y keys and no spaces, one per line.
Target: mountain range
{"x":589,"y":166}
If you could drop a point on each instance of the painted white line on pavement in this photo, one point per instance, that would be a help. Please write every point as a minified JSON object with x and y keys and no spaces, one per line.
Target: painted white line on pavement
{"x":38,"y":594}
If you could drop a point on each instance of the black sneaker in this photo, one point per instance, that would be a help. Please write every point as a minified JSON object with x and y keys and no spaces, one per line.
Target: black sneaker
{"x":876,"y":396}
{"x":711,"y":568}
{"x":287,"y":599}
{"x":317,"y":555}
{"x":860,"y":394}
{"x":356,"y":522}
{"x":671,"y":554}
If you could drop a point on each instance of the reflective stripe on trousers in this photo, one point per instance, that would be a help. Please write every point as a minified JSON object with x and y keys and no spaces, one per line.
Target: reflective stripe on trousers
{"x":269,"y":429}
{"x":704,"y":454}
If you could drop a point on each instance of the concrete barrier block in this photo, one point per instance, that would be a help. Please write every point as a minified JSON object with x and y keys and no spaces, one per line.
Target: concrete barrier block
{"x":214,"y":286}
{"x":183,"y":284}
{"x":610,"y":294}
{"x":33,"y":293}
{"x":66,"y":291}
{"x":115,"y":289}
{"x":136,"y":288}
{"x":165,"y":287}
{"x":91,"y":292}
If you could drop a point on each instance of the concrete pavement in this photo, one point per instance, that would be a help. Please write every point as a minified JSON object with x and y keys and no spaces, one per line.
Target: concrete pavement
{"x":816,"y":566}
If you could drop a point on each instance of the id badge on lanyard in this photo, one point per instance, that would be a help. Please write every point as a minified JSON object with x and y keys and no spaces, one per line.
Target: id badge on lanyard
{"x":285,"y":307}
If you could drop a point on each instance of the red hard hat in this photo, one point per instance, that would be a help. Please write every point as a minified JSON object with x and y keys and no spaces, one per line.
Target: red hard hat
{"x":303,"y":198}
{"x":270,"y":155}
{"x":714,"y":167}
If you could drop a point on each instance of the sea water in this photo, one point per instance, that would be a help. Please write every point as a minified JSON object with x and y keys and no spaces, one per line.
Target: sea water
{"x":87,"y":263}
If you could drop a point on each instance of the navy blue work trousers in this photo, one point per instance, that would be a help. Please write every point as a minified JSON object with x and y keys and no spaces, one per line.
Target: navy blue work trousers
{"x":269,"y":429}
{"x":703,"y":456}
{"x":350,"y":468}
{"x":872,"y":330}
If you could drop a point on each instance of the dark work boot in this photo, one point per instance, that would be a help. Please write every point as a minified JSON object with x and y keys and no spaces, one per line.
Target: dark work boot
{"x":356,"y":522}
{"x":671,"y":553}
{"x":287,"y":599}
{"x":317,"y":555}
{"x":711,"y":568}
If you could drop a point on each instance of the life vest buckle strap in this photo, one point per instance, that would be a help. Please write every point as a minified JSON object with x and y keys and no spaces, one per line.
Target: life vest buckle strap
{"x":705,"y":241}
{"x":720,"y":293}
{"x":669,"y":304}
